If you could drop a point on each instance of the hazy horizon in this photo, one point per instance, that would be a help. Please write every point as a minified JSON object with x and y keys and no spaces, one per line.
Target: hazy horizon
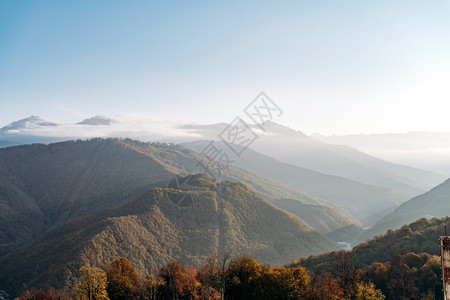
{"x":333,"y":68}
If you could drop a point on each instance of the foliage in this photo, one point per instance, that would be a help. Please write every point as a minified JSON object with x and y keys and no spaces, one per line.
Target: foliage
{"x":178,"y":282}
{"x":368,"y":291}
{"x":150,"y":230}
{"x":421,"y":236}
{"x":123,"y":281}
{"x":92,"y":284}
{"x":325,"y":287}
{"x":89,"y":202}
{"x":40,"y":294}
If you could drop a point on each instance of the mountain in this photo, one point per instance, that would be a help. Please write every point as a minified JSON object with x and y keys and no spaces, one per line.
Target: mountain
{"x":280,"y":142}
{"x":426,"y":150}
{"x":30,"y":123}
{"x":43,"y":186}
{"x":322,"y":218}
{"x":97,"y":120}
{"x":358,"y":200}
{"x":151,"y":230}
{"x":434,"y":203}
{"x":403,"y":264}
{"x":294,"y":147}
{"x":421,"y":236}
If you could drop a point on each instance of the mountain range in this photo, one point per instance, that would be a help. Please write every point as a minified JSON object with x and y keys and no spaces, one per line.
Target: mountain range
{"x":46,"y":185}
{"x":426,"y":150}
{"x":362,"y":202}
{"x":71,"y":203}
{"x":277,"y":141}
{"x":420,"y":236}
{"x":294,"y":147}
{"x":79,"y":202}
{"x":434,"y":203}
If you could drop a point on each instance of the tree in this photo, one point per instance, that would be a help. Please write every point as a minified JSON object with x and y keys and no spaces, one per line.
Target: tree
{"x":367,"y":291}
{"x":178,"y":282}
{"x":377,"y":273}
{"x":38,"y":294}
{"x":168,"y":277}
{"x":52,"y":294}
{"x":92,"y":284}
{"x":402,"y":283}
{"x":210,"y":277}
{"x":325,"y":287}
{"x":123,"y":281}
{"x":150,"y":288}
{"x":242,"y":278}
{"x":187,"y":284}
{"x":302,"y":282}
{"x":347,"y":275}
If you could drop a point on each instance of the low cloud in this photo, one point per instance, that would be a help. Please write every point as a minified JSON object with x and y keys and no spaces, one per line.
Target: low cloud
{"x":132,"y":126}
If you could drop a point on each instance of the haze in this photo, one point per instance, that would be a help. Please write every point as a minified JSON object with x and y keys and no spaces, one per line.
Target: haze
{"x":334,"y":67}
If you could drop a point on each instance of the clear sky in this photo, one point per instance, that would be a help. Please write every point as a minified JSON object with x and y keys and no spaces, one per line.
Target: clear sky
{"x":332,"y":66}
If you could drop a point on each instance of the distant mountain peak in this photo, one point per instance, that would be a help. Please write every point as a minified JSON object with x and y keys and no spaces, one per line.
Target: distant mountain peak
{"x":276,"y":127}
{"x":31,"y":122}
{"x":98,"y":120}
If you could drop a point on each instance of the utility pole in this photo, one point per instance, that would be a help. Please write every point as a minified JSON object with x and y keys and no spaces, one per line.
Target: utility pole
{"x":445,"y":263}
{"x":221,"y":256}
{"x":220,"y":252}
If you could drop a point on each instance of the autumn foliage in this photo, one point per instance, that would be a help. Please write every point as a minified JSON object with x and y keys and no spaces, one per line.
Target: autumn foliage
{"x":242,"y":277}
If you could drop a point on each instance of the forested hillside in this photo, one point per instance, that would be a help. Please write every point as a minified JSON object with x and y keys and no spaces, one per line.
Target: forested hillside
{"x":402,"y":263}
{"x":434,"y":203}
{"x":151,"y":230}
{"x":42,"y":186}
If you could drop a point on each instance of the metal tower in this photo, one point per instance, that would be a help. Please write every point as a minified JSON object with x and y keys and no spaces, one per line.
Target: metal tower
{"x":445,"y":263}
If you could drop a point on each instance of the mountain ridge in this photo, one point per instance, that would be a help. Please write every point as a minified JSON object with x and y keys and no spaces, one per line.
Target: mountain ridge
{"x":433,"y":203}
{"x":150,"y":230}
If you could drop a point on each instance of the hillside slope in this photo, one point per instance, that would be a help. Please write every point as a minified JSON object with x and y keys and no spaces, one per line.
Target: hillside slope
{"x":150,"y":230}
{"x":358,"y":200}
{"x":434,"y":203}
{"x":295,"y":147}
{"x":43,"y":186}
{"x":421,"y":236}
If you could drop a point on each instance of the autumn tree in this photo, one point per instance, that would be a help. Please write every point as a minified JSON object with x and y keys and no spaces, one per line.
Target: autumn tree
{"x":92,"y":284}
{"x":302,"y":282}
{"x":401,"y":279}
{"x":242,"y":278}
{"x":210,"y":277}
{"x":149,"y":290}
{"x":123,"y":281}
{"x":187,"y":285}
{"x":368,"y":291}
{"x":347,"y":276}
{"x":178,"y":282}
{"x":377,"y":273}
{"x":40,"y":294}
{"x":283,"y":283}
{"x":168,"y":275}
{"x":325,"y":287}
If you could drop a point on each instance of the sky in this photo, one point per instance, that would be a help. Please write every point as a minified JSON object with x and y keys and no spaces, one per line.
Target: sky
{"x":333,"y":67}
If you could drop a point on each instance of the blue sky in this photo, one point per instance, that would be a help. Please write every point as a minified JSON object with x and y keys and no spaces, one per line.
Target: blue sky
{"x":332,"y":66}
